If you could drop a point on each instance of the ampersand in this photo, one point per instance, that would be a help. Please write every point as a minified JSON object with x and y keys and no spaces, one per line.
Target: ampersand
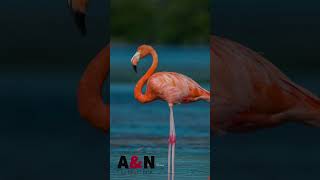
{"x":134,"y":163}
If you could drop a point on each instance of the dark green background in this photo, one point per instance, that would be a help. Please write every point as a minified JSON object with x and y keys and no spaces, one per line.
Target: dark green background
{"x":160,"y":21}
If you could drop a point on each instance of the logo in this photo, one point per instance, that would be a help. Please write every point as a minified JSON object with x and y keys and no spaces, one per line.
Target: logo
{"x":140,"y":161}
{"x":148,"y":162}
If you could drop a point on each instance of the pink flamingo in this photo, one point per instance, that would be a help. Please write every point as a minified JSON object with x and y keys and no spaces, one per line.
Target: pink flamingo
{"x":171,"y":87}
{"x":250,"y":93}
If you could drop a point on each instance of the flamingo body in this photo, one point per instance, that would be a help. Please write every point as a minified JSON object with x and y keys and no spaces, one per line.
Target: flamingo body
{"x":175,"y":88}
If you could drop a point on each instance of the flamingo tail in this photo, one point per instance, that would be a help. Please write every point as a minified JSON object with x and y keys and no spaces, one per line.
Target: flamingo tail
{"x":206,"y":95}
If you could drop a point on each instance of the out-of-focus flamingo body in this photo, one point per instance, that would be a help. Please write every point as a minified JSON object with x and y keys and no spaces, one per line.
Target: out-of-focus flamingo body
{"x":249,"y":92}
{"x":171,"y":87}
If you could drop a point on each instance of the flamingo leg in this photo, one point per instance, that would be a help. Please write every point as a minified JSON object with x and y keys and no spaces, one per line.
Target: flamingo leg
{"x":173,"y":152}
{"x":172,"y":142}
{"x":169,"y":160}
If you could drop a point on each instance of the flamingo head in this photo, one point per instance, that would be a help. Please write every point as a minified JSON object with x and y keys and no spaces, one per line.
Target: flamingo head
{"x":142,"y":52}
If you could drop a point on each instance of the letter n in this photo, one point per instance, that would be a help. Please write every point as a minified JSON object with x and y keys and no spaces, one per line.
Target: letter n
{"x":147,"y":161}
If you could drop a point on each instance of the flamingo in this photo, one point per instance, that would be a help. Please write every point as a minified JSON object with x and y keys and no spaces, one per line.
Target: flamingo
{"x":250,"y":93}
{"x":174,"y":88}
{"x":90,"y":103}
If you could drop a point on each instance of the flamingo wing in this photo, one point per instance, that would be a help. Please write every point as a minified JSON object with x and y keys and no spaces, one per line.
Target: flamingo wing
{"x":174,"y":87}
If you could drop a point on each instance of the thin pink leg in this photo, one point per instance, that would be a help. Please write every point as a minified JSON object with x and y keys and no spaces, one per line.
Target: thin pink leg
{"x":172,"y":141}
{"x":173,"y":148}
{"x":169,"y":160}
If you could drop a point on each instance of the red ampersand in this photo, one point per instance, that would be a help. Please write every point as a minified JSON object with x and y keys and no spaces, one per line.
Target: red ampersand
{"x":135,"y":163}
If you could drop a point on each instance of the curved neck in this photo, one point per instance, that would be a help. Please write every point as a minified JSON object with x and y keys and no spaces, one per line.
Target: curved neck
{"x":138,"y":89}
{"x":90,"y":101}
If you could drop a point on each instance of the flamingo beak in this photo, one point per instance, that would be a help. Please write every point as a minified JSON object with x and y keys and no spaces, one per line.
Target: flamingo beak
{"x":134,"y":68}
{"x":134,"y":61}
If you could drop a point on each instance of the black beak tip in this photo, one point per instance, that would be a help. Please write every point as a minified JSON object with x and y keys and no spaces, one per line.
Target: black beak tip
{"x":134,"y":68}
{"x":80,"y":20}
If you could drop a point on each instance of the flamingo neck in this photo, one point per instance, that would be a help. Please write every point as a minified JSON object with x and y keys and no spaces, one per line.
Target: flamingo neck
{"x":90,"y":101}
{"x":138,"y":94}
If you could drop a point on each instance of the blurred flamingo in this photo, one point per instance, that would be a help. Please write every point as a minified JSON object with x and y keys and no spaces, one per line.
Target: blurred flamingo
{"x":250,"y":93}
{"x":90,"y":101}
{"x":171,"y":87}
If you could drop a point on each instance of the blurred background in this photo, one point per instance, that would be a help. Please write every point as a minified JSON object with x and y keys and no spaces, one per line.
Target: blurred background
{"x":42,"y":58}
{"x":160,"y":21}
{"x":179,"y":32}
{"x":287,"y":34}
{"x":170,"y":26}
